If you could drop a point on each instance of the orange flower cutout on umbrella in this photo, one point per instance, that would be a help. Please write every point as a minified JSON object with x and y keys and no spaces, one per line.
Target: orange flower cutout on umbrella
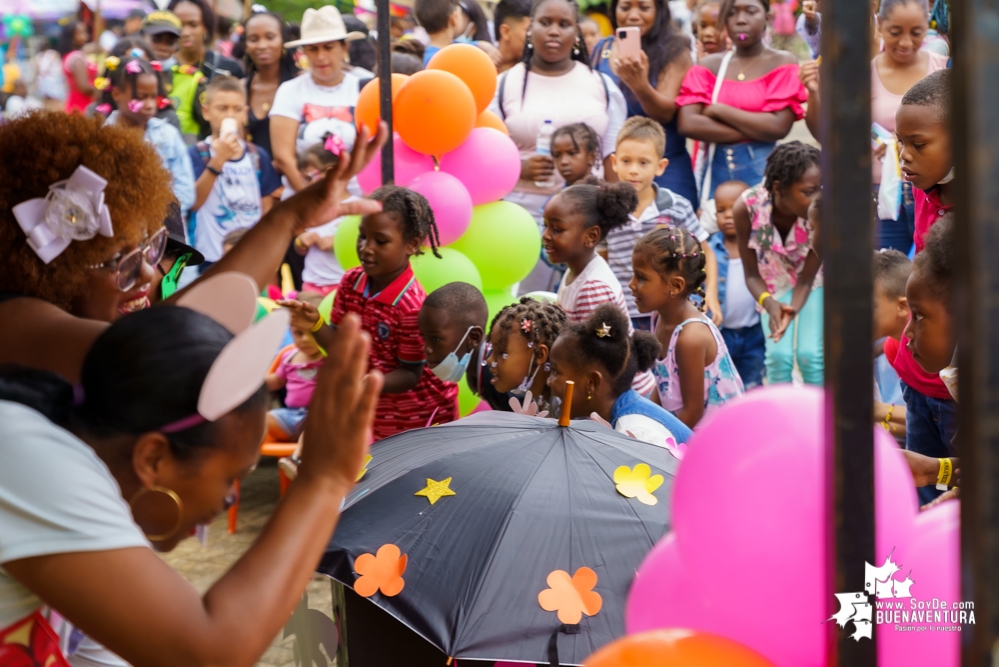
{"x":572,"y":596}
{"x":380,"y":572}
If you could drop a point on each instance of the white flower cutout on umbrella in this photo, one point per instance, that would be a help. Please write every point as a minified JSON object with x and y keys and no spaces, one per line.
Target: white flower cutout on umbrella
{"x":529,"y":407}
{"x":73,"y":210}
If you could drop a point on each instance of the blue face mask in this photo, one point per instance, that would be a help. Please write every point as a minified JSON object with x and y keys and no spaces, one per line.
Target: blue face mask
{"x":528,"y":380}
{"x":452,"y":368}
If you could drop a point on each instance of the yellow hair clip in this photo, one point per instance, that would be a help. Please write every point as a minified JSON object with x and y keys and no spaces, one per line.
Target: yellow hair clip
{"x":102,"y":83}
{"x":111,"y":63}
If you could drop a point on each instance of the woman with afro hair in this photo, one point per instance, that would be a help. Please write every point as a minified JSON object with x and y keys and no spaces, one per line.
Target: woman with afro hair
{"x":58,"y":295}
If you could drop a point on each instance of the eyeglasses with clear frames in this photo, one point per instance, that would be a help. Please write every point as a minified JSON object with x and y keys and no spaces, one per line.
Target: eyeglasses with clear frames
{"x":128,"y":268}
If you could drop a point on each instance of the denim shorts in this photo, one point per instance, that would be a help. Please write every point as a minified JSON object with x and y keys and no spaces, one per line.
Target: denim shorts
{"x":744,"y":162}
{"x":898,"y":234}
{"x":291,"y":420}
{"x":930,"y":428}
{"x":747,"y":347}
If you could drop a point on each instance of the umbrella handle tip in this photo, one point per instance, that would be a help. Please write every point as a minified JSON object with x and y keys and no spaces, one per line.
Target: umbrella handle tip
{"x":563,"y":420}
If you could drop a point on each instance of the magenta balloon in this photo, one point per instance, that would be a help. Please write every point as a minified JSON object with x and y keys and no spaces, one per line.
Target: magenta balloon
{"x":748,"y":511}
{"x":933,"y":564}
{"x":408,"y":165}
{"x":450,"y":202}
{"x":488,"y":163}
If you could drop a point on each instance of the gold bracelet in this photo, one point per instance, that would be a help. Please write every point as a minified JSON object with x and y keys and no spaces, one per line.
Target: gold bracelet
{"x":946,"y":472}
{"x":318,"y":325}
{"x":764,"y":297}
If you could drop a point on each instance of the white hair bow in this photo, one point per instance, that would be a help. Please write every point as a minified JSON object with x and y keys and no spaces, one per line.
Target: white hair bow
{"x":73,"y":210}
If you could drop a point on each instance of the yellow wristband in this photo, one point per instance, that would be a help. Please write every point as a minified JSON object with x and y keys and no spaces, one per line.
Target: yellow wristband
{"x":317,"y":326}
{"x":764,"y":297}
{"x":946,"y":471}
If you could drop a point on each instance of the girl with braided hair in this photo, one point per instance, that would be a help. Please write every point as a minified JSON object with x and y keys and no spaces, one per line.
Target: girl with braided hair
{"x":777,"y":226}
{"x":137,"y":95}
{"x":601,"y":356}
{"x":520,"y":338}
{"x":697,"y":374}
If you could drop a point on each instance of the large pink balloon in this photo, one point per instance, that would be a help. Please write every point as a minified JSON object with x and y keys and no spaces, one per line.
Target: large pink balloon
{"x":450,"y":202}
{"x":748,"y":512}
{"x":933,"y":563}
{"x":488,"y":163}
{"x":408,"y":165}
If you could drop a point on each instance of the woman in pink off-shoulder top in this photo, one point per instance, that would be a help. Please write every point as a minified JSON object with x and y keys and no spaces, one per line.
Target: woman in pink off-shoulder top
{"x":738,"y":121}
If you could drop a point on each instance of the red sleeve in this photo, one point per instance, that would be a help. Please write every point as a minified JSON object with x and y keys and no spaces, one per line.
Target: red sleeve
{"x":891,"y":350}
{"x":697,"y":87}
{"x":785,"y":91}
{"x":340,"y":300}
{"x":410,"y":348}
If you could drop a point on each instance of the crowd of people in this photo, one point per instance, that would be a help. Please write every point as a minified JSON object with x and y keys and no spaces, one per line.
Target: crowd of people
{"x":681,"y":260}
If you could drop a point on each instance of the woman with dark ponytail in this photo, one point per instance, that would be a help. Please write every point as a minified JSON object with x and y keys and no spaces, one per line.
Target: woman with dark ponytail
{"x":602,"y":358}
{"x":576,"y":221}
{"x":554,"y":83}
{"x":94,"y":475}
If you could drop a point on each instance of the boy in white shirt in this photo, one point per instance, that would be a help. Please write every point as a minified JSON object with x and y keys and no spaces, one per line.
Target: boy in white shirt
{"x":236,"y":184}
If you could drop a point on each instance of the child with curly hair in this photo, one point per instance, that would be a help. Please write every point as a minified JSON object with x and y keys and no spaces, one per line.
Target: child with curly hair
{"x":577,"y":220}
{"x":520,"y":338}
{"x":697,"y":375}
{"x":602,"y":358}
{"x":777,"y":224}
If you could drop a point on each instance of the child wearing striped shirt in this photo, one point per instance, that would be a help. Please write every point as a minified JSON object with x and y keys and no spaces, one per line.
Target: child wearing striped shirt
{"x":576,"y":221}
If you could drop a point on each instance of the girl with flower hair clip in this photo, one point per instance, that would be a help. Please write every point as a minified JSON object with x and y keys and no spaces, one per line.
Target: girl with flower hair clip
{"x":136,"y":97}
{"x":697,"y":374}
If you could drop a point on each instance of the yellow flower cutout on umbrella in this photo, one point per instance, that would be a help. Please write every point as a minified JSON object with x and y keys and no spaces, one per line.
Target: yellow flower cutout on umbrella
{"x":364,"y":467}
{"x":638,"y":482}
{"x":434,"y":491}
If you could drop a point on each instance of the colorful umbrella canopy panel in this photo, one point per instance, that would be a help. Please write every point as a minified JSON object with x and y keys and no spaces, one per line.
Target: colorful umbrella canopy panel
{"x":488,"y":535}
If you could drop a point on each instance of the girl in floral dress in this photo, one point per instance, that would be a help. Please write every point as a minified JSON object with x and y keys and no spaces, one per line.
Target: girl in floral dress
{"x":697,"y":374}
{"x":777,"y":225}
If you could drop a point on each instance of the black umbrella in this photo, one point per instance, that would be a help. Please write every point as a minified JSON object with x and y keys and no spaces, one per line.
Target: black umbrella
{"x":530,"y":497}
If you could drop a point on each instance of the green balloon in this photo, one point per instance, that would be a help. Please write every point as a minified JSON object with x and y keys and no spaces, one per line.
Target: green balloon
{"x":345,"y":242}
{"x":503,"y":241}
{"x":452,"y":267}
{"x":467,"y":401}
{"x":497,"y":300}
{"x":326,"y":306}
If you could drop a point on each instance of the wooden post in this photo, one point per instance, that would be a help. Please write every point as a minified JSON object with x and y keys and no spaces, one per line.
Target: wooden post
{"x":385,"y":88}
{"x":846,"y":233}
{"x":975,"y":114}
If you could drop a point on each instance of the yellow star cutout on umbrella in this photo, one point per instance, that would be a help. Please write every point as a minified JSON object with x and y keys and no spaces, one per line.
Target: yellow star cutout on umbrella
{"x":434,"y":491}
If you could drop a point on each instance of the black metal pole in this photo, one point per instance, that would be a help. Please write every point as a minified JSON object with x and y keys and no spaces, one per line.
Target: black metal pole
{"x":847,"y":251}
{"x":976,"y":149}
{"x":385,"y":87}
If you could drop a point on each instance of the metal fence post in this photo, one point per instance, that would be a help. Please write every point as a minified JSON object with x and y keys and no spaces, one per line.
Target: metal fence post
{"x":385,"y":87}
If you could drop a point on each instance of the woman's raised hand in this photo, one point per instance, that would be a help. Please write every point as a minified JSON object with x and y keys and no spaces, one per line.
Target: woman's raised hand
{"x":342,"y":411}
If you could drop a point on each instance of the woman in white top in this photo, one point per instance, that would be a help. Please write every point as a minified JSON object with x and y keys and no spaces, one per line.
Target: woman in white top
{"x":94,"y":480}
{"x":602,"y":359}
{"x":319,"y":102}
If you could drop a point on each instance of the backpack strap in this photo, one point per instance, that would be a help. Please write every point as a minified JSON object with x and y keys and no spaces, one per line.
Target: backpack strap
{"x":254,"y":152}
{"x":205,"y":152}
{"x":603,"y":80}
{"x":502,"y":87}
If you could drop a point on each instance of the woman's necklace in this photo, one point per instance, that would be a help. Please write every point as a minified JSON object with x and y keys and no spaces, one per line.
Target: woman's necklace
{"x":741,"y":76}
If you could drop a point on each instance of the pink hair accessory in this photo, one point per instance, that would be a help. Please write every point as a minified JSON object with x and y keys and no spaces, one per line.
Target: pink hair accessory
{"x":73,"y":210}
{"x":526,"y":325}
{"x":334,"y":144}
{"x":135,"y":106}
{"x":133,"y":67}
{"x":104,"y":109}
{"x":156,"y":65}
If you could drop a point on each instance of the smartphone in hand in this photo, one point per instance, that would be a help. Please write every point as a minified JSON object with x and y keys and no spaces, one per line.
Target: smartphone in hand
{"x":229,"y":127}
{"x":629,"y":42}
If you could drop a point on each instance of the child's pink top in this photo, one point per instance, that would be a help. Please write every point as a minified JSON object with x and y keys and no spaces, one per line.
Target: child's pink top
{"x":779,"y":260}
{"x":778,"y":89}
{"x":300,"y":379}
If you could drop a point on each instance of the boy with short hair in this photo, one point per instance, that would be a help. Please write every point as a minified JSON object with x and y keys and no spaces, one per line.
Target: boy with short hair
{"x":511,"y":19}
{"x":923,"y":119}
{"x":439,"y":18}
{"x":235,"y":181}
{"x":891,"y":313}
{"x":741,"y":327}
{"x":452,"y":322}
{"x":638,"y":159}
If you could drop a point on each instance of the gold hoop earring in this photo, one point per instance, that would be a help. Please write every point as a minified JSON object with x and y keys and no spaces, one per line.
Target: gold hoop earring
{"x":172,"y":495}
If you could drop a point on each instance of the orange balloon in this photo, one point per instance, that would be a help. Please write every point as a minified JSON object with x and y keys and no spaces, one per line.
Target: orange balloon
{"x":434,"y":112}
{"x":488,"y":119}
{"x":367,"y":111}
{"x":471,"y":65}
{"x":676,"y":648}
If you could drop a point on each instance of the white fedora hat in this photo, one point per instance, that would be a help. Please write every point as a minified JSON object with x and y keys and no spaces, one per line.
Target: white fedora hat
{"x":323,"y":25}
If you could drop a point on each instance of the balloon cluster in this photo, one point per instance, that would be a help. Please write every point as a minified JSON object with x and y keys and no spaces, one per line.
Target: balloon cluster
{"x":449,"y":148}
{"x":746,"y":558}
{"x":16,"y":25}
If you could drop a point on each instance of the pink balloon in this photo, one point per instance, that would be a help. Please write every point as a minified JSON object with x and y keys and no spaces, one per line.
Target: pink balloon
{"x":408,"y":165}
{"x":450,"y":202}
{"x":933,"y":564}
{"x":488,"y":164}
{"x":752,"y":485}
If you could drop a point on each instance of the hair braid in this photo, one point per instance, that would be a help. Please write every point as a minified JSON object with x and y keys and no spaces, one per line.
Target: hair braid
{"x":787,"y":164}
{"x":417,"y":217}
{"x":543,"y":321}
{"x":672,"y":250}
